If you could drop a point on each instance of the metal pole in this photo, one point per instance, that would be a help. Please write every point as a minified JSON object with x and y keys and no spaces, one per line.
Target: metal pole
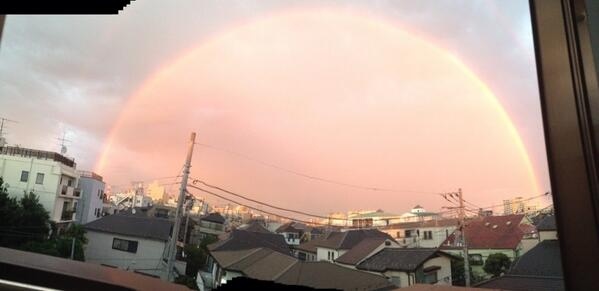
{"x":463,"y":236}
{"x":183,"y":189}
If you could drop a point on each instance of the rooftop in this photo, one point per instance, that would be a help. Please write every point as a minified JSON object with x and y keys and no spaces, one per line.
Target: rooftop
{"x":91,"y":175}
{"x":38,"y":154}
{"x":143,"y":227}
{"x":547,"y":224}
{"x":325,"y":275}
{"x":492,"y":232}
{"x":214,"y":217}
{"x":245,"y":240}
{"x":257,"y":263}
{"x":424,"y":224}
{"x":361,"y":250}
{"x":348,"y":239}
{"x":399,"y":259}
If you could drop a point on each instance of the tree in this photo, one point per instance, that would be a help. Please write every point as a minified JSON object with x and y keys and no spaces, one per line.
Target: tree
{"x":196,"y":256}
{"x":25,"y":224}
{"x":497,"y":264}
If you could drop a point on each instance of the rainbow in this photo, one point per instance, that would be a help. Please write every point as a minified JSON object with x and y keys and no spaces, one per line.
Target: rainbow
{"x":392,"y":26}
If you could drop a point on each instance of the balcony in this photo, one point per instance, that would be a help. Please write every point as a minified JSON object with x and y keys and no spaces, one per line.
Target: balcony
{"x":70,"y":192}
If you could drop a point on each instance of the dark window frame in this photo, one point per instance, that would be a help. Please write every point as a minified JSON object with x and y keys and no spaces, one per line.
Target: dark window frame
{"x":37,"y":178}
{"x":24,"y":174}
{"x":569,"y":91}
{"x":125,"y":245}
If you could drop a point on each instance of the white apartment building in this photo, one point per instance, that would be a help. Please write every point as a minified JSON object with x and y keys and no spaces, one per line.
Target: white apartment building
{"x":518,"y":205}
{"x":92,"y":194}
{"x":51,"y":176}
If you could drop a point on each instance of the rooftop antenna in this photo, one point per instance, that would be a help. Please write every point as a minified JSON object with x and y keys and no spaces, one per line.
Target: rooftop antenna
{"x":2,"y":138}
{"x":63,"y":146}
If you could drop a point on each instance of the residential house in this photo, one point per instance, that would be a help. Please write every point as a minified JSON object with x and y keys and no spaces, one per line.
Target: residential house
{"x":408,"y":266}
{"x":32,"y":271}
{"x":92,"y":197}
{"x":51,"y":176}
{"x":212,"y":224}
{"x":338,"y":243}
{"x":422,"y":234}
{"x":547,"y":228}
{"x":293,"y":232}
{"x":511,"y":235}
{"x":129,"y":242}
{"x":270,"y":265}
{"x":235,"y":243}
{"x":539,"y":269}
{"x":306,"y":251}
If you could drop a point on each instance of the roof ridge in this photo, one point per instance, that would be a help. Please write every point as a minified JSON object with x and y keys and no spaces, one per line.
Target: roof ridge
{"x":277,"y":276}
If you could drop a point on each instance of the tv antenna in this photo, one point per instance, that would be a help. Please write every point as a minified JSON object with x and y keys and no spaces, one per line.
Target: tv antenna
{"x":2,"y":138}
{"x":63,"y":146}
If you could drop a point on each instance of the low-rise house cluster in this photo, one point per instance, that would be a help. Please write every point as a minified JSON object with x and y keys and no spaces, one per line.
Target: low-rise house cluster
{"x":422,"y":234}
{"x":511,"y":235}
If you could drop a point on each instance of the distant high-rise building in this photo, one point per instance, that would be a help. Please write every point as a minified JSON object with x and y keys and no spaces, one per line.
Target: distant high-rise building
{"x":157,"y":192}
{"x":518,"y":205}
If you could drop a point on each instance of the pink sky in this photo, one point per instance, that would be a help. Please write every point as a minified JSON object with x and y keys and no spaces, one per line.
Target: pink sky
{"x":294,"y":90}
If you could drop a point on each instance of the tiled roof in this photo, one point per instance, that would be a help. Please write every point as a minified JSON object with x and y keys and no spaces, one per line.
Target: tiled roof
{"x":143,"y":227}
{"x":214,"y":217}
{"x":547,"y":224}
{"x":325,"y":275}
{"x":491,"y":232}
{"x":348,"y":239}
{"x":361,"y":250}
{"x":244,"y":240}
{"x":398,"y":259}
{"x":517,"y":283}
{"x":542,"y":260}
{"x":309,"y":246}
{"x":258,"y":263}
{"x":83,"y":271}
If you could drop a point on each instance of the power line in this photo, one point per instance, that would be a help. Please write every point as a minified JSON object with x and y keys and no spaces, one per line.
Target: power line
{"x":259,"y":202}
{"x":313,"y":177}
{"x":255,"y":208}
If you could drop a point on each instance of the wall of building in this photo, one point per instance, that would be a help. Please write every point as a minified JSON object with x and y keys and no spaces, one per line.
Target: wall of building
{"x":443,"y":274}
{"x":47,"y":192}
{"x":322,"y":254}
{"x":478,"y":269}
{"x":403,"y":278}
{"x":148,"y":256}
{"x":90,"y":205}
{"x":545,"y":235}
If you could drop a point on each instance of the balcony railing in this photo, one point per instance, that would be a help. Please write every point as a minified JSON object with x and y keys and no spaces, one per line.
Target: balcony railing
{"x":67,"y":215}
{"x":42,"y":155}
{"x":70,"y":191}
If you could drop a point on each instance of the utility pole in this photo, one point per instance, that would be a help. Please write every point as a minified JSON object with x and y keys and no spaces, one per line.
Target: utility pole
{"x":462,"y":218}
{"x":183,"y":189}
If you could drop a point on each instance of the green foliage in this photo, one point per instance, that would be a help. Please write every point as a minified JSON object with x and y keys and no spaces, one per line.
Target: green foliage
{"x":196,"y":256}
{"x":457,"y":272}
{"x":497,"y":264}
{"x":26,"y":225}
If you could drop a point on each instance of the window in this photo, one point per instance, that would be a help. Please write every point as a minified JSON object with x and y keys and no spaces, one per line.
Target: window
{"x":428,"y":235}
{"x":24,"y":176}
{"x":124,"y":245}
{"x":408,"y":233}
{"x":476,"y":259}
{"x":39,"y":179}
{"x":70,"y":182}
{"x":430,"y":278}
